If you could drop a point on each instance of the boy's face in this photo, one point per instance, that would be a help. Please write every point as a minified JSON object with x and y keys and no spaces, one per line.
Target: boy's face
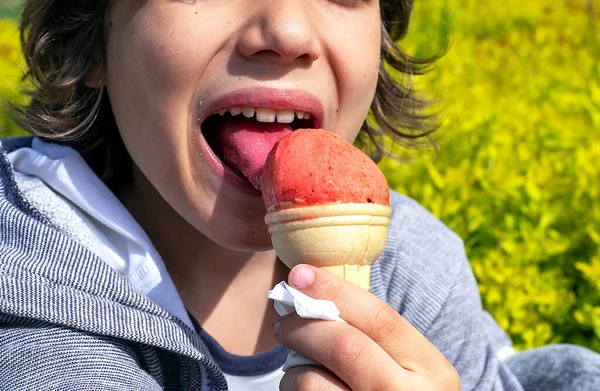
{"x":173,"y":63}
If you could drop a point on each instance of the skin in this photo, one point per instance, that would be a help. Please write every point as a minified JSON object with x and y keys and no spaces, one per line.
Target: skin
{"x":376,"y":350}
{"x":167,"y":62}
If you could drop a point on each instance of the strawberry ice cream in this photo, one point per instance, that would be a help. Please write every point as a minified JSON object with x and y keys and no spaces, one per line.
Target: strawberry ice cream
{"x":313,"y":166}
{"x":327,"y":204}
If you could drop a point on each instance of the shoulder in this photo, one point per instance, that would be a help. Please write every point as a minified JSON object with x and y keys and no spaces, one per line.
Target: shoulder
{"x":35,"y":354}
{"x":416,"y":232}
{"x":420,"y":263}
{"x":424,"y":274}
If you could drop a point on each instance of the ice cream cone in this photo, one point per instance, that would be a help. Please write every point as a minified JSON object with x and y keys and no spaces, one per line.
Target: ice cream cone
{"x":342,"y":238}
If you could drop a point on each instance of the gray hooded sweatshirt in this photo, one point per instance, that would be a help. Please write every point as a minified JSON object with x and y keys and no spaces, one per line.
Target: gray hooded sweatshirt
{"x":69,"y":321}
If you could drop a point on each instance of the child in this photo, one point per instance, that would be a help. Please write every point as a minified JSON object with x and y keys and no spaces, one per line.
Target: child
{"x":134,"y":257}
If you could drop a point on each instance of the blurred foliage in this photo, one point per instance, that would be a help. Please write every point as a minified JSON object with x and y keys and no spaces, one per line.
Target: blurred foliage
{"x":10,"y":8}
{"x":11,"y":72}
{"x":517,"y":174}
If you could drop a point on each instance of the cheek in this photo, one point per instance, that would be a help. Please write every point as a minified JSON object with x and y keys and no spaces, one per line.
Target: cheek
{"x":364,"y":55}
{"x":151,"y":77}
{"x":155,"y":69}
{"x":357,"y":68}
{"x":152,"y":73}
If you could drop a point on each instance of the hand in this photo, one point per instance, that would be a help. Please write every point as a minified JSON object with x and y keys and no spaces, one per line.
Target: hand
{"x":376,"y":350}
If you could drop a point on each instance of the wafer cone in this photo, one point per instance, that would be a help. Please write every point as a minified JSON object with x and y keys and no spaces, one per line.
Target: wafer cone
{"x":342,"y":238}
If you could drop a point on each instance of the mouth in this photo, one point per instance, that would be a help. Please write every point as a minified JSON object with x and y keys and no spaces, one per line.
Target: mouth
{"x":241,"y":137}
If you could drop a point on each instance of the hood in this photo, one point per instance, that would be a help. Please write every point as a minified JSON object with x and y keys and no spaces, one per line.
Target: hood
{"x":48,"y":276}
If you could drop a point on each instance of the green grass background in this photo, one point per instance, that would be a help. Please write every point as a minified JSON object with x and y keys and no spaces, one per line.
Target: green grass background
{"x":517,"y":172}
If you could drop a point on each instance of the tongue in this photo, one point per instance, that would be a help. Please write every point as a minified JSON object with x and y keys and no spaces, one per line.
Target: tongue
{"x":246,"y":143}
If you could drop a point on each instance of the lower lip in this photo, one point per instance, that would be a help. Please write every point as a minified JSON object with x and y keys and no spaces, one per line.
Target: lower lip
{"x":225,"y":173}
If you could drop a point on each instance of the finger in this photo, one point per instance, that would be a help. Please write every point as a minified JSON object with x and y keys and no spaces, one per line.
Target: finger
{"x":307,"y":378}
{"x":371,"y":315}
{"x":344,"y":350}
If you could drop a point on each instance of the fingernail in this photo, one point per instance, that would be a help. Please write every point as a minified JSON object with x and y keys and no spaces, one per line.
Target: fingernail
{"x":301,"y":276}
{"x":276,"y":328}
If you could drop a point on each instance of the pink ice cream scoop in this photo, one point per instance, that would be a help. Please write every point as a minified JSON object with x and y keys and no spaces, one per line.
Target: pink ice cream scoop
{"x":327,"y":204}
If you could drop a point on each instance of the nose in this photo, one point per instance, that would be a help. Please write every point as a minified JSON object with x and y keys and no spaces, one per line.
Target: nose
{"x":283,"y":31}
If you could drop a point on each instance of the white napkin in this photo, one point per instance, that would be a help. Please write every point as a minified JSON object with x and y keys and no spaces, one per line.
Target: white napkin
{"x":289,"y":300}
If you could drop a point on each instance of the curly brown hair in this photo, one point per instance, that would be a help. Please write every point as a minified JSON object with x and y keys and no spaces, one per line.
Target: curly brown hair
{"x":63,"y":40}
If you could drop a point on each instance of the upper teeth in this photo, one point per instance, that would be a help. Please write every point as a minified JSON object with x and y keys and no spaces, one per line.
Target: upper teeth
{"x":264,"y":114}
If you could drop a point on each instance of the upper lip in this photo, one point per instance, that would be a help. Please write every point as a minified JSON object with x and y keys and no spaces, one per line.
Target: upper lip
{"x":276,"y":99}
